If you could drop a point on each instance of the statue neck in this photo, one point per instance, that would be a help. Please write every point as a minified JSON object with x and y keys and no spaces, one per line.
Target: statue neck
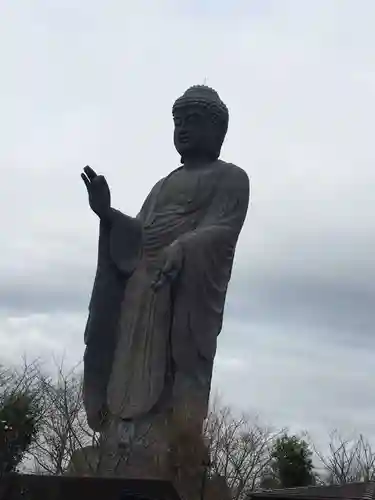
{"x":198,"y":162}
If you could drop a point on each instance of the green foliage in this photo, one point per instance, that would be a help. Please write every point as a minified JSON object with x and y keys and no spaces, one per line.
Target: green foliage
{"x":292,"y":462}
{"x":17,"y":428}
{"x":20,"y":411}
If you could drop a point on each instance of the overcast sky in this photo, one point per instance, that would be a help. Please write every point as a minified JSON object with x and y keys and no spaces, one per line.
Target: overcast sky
{"x":93,"y":82}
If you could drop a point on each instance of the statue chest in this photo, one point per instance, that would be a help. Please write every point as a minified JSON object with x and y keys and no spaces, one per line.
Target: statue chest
{"x":178,"y":207}
{"x":186,"y":190}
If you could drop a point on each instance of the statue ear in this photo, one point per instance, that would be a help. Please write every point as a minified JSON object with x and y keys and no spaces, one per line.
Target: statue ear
{"x":219,"y":137}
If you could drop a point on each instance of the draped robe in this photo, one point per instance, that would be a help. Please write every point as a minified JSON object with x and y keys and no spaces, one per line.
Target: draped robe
{"x":144,"y":347}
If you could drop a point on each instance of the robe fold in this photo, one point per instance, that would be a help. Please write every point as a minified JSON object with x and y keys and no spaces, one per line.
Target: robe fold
{"x":163,"y":343}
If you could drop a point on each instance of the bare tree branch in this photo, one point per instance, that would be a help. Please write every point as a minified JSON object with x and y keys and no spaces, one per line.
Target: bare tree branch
{"x":240,"y":449}
{"x":347,"y":460}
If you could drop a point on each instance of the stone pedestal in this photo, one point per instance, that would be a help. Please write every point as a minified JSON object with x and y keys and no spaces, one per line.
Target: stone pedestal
{"x":127,"y":449}
{"x":33,"y":487}
{"x":174,"y":453}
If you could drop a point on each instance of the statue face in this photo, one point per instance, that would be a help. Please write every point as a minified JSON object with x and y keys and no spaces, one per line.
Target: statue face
{"x":193,"y":131}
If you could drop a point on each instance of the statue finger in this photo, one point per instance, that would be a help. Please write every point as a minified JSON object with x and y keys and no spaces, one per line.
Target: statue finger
{"x":165,"y":277}
{"x":86,"y":181}
{"x":168,"y":266}
{"x":157,"y":279}
{"x":167,"y":273}
{"x":91,"y":174}
{"x":172,"y":274}
{"x":158,"y":283}
{"x":100,"y":180}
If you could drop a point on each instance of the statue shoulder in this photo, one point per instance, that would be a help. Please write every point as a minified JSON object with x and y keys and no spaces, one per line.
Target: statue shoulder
{"x":161,"y":181}
{"x":233,"y":175}
{"x":232,"y":195}
{"x":150,"y":201}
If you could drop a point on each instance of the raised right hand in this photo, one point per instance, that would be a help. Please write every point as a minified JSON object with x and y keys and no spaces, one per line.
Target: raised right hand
{"x":98,"y":191}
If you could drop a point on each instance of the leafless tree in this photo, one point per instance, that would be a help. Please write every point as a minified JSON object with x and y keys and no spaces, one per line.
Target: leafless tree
{"x":240,"y":449}
{"x":63,"y":429}
{"x":19,"y":380}
{"x":347,"y":460}
{"x":65,"y":443}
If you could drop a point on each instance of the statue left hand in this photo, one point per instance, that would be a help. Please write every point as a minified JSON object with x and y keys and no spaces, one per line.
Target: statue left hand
{"x":98,"y":191}
{"x":172,"y":266}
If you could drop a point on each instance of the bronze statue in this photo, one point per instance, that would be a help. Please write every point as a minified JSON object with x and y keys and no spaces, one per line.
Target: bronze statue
{"x":157,"y":304}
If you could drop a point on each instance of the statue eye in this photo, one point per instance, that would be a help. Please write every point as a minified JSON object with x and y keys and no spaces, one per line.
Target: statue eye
{"x":177,"y":121}
{"x":193,"y":118}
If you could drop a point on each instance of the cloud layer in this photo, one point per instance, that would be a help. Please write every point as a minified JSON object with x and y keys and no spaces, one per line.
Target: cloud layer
{"x":94,"y":83}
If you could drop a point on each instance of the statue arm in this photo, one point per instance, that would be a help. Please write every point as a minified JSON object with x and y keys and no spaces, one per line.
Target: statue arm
{"x":117,"y":252}
{"x":122,"y":235}
{"x":123,"y":241}
{"x":207,"y":261}
{"x":118,"y":245}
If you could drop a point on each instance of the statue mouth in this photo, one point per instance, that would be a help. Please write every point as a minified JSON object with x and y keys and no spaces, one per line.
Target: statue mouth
{"x":183,"y":137}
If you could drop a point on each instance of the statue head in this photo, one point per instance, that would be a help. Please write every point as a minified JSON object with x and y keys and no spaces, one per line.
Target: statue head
{"x":200,"y":124}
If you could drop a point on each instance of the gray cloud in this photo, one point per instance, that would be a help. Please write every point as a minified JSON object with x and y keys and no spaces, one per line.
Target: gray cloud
{"x":299,"y":317}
